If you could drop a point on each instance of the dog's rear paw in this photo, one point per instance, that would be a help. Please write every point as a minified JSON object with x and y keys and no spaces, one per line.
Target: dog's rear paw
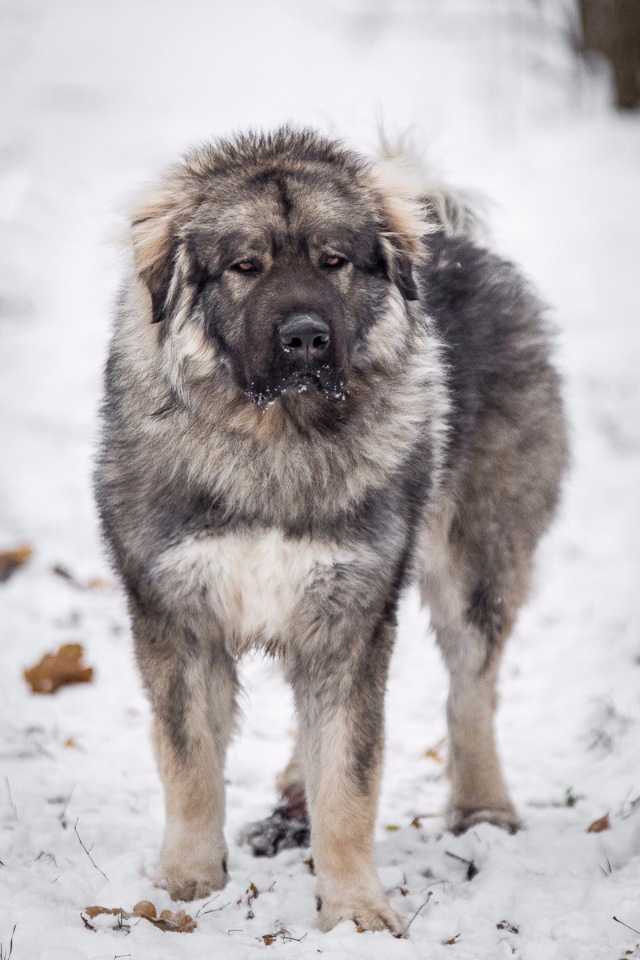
{"x":506,"y":818}
{"x":287,"y":827}
{"x":378,"y":915}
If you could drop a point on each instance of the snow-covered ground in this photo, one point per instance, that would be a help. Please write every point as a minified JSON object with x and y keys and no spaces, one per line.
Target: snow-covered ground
{"x":96,"y":97}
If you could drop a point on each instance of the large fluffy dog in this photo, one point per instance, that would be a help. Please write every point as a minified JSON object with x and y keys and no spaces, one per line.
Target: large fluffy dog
{"x":319,"y":387}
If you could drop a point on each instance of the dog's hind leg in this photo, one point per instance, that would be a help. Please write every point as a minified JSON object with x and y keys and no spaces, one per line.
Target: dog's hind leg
{"x":471,"y":626}
{"x":288,"y":825}
{"x":478,"y":790}
{"x":192,"y":687}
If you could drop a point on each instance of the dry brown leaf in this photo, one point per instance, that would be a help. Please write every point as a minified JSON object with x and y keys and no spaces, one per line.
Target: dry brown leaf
{"x":98,"y":583}
{"x":11,"y":560}
{"x":144,"y":908}
{"x":97,"y":911}
{"x":57,"y":669}
{"x":433,"y":753}
{"x":268,"y":939}
{"x":178,"y":922}
{"x":599,"y":825}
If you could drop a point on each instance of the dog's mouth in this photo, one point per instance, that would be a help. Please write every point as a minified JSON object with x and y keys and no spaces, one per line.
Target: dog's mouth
{"x":321,"y":381}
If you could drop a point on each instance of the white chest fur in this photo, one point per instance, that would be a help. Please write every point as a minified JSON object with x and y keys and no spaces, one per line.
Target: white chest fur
{"x":252,"y":582}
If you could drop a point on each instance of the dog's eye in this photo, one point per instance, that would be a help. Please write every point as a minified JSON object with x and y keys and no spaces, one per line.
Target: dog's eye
{"x":247,"y":266}
{"x":333,"y":261}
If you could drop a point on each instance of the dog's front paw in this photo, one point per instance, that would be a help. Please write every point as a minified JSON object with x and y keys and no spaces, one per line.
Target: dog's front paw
{"x":365,"y":914}
{"x":192,"y":881}
{"x":505,"y":817}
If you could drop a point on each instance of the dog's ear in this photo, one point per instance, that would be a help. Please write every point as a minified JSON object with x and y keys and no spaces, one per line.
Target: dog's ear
{"x":398,"y":267}
{"x":403,"y":224}
{"x":154,"y":236}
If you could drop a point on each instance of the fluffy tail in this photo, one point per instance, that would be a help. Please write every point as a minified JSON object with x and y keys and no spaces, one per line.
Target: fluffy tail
{"x":458,"y":213}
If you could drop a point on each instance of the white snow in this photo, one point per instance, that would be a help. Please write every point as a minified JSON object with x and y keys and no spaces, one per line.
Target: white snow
{"x":96,"y":97}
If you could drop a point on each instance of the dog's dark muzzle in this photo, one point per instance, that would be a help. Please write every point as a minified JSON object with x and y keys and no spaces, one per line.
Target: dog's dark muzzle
{"x":307,"y":356}
{"x":305,"y":360}
{"x":304,"y":339}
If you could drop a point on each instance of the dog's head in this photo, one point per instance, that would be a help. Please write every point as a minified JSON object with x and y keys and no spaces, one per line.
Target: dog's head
{"x":269,"y":261}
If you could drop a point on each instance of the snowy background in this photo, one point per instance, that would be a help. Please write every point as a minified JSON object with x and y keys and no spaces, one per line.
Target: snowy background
{"x":97,"y":96}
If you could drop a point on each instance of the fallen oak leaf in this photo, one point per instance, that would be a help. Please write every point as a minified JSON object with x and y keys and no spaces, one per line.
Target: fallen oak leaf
{"x":98,"y":583}
{"x":599,"y":825}
{"x":55,"y":670}
{"x":97,"y":911}
{"x":12,"y":560}
{"x":144,"y":908}
{"x":179,"y":922}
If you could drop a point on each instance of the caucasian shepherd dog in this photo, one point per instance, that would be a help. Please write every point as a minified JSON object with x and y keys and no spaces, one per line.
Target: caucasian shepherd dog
{"x":320,"y":387}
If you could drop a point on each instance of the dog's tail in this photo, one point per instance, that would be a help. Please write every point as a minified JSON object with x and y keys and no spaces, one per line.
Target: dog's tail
{"x":455,"y":212}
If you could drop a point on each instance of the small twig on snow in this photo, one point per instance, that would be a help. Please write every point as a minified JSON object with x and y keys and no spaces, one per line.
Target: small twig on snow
{"x":203,"y":912}
{"x":62,"y":816}
{"x":75,"y":827}
{"x":419,"y":910}
{"x":7,"y":956}
{"x":633,"y":929}
{"x":10,"y":796}
{"x":472,"y":870}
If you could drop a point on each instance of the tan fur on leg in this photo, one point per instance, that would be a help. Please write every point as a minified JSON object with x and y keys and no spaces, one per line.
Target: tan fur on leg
{"x":478,"y":790}
{"x":342,"y":823}
{"x":194,"y":852}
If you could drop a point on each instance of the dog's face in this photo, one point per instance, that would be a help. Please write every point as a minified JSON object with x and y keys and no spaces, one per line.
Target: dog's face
{"x":283,"y":263}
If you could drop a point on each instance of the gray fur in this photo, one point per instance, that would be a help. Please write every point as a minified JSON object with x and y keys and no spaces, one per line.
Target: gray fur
{"x":249,"y":503}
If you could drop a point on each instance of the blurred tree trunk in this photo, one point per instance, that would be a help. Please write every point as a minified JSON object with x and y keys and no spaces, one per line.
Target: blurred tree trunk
{"x":612,"y":27}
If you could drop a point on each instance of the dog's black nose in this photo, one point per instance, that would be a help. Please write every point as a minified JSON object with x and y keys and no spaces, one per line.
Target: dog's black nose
{"x":304,"y":336}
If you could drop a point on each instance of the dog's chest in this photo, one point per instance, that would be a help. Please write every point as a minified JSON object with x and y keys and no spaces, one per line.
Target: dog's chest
{"x":255,"y":584}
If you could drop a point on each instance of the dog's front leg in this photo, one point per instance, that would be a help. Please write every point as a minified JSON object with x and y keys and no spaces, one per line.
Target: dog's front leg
{"x":339,"y":694}
{"x":192,"y":687}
